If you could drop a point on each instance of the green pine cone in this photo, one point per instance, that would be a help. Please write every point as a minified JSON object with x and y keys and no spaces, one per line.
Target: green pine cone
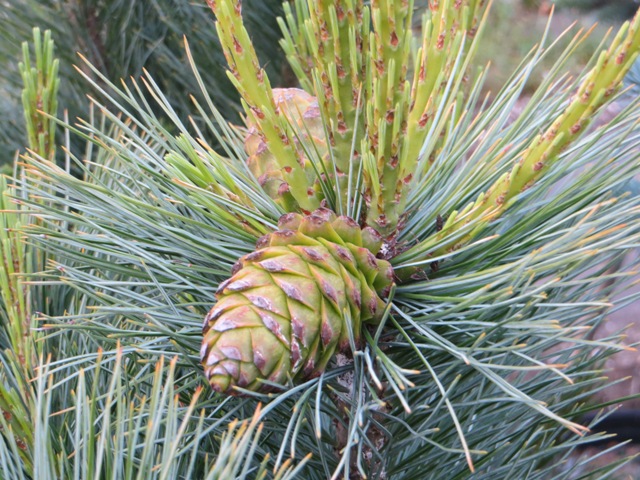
{"x":302,"y":112}
{"x":283,"y":313}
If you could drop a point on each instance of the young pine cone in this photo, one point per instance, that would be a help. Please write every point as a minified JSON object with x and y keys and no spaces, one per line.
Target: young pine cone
{"x":284,"y":312}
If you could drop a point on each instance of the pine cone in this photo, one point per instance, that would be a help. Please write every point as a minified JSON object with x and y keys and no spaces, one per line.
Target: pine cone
{"x":284,"y":312}
{"x":302,"y":112}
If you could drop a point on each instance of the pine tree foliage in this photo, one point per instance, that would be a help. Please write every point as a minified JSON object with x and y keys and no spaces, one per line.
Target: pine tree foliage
{"x":486,"y":365}
{"x":121,"y":38}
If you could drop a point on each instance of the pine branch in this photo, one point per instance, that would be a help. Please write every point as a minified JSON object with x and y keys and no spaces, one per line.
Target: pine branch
{"x":122,"y":38}
{"x":40,"y":94}
{"x":595,"y":90}
{"x":486,"y":363}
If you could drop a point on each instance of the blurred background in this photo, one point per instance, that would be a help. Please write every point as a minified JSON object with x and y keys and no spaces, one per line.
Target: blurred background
{"x":123,"y":37}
